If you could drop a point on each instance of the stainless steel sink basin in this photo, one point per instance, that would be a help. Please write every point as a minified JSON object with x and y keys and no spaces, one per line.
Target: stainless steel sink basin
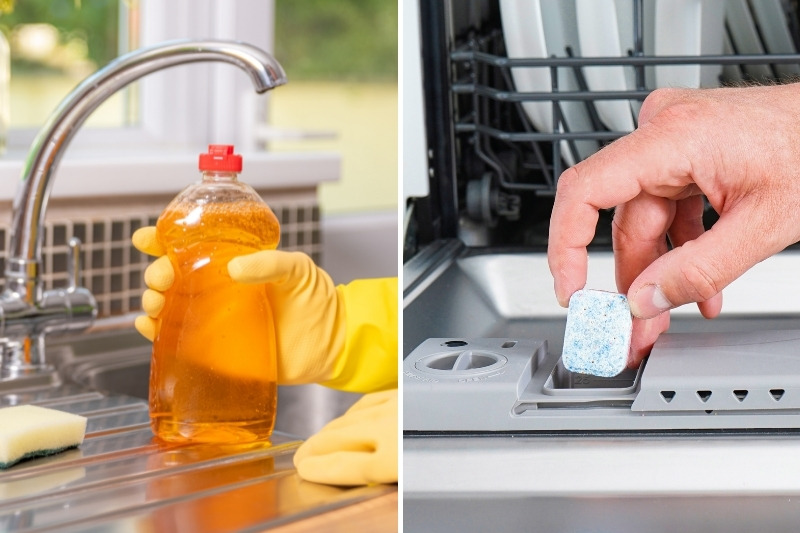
{"x":118,"y":361}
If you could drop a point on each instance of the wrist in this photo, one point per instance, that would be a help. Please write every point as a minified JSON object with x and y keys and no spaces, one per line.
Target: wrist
{"x":368,"y":358}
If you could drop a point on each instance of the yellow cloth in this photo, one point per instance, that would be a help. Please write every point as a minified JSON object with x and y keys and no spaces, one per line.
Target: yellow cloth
{"x":344,"y":337}
{"x":358,"y":448}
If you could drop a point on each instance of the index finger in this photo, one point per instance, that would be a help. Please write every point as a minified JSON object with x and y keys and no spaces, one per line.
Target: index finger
{"x":648,"y":159}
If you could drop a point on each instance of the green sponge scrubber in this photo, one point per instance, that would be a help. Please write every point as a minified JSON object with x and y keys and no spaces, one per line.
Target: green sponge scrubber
{"x":28,"y":431}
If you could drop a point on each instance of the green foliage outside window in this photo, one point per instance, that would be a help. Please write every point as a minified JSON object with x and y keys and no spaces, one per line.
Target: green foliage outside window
{"x":94,"y":24}
{"x":337,"y":39}
{"x":314,"y":39}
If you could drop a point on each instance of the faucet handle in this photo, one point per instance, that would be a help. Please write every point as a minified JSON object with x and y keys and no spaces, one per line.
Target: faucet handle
{"x":73,"y":263}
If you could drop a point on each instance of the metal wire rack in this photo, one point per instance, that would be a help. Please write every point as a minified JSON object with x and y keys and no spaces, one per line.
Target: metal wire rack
{"x":506,"y":152}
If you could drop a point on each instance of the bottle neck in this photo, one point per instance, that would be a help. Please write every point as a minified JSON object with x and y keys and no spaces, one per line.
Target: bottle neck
{"x":219,"y":175}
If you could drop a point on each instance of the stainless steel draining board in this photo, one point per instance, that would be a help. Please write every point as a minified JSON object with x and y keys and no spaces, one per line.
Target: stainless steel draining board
{"x":122,"y":479}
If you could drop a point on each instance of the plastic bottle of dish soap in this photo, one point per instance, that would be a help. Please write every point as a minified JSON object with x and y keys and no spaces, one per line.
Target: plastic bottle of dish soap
{"x":213,"y":373}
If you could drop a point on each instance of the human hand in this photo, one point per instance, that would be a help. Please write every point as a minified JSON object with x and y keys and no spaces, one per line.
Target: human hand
{"x":307,"y":308}
{"x":358,"y":448}
{"x":738,"y":146}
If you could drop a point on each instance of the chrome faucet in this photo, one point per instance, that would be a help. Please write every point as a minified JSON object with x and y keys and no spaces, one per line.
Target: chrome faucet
{"x":27,"y":311}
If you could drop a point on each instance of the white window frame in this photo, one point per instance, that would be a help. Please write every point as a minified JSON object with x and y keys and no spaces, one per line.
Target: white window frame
{"x":204,"y":103}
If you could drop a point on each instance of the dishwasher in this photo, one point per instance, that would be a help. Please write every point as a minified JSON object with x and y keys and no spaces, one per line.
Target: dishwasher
{"x":499,"y":97}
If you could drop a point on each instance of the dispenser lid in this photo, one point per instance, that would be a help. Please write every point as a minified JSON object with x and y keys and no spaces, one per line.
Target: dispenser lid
{"x":221,"y":157}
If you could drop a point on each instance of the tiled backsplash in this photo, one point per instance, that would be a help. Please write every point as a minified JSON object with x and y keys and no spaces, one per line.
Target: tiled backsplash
{"x":113,"y":269}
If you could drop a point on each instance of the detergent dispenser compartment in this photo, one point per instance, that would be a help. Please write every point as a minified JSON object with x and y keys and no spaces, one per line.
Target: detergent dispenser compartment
{"x":732,"y":372}
{"x":708,"y":381}
{"x":461,"y":362}
{"x":562,"y":381}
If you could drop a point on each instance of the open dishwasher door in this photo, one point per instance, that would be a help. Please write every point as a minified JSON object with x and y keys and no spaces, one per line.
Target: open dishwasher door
{"x":498,"y":435}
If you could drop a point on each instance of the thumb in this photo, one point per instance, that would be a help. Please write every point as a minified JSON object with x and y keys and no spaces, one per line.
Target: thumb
{"x":269,"y":266}
{"x":698,"y":270}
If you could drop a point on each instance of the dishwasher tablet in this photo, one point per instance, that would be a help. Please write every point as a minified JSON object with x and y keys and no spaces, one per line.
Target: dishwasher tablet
{"x":598,"y":333}
{"x":28,"y":431}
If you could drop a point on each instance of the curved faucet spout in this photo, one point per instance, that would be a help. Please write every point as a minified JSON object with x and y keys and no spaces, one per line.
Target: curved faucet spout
{"x":22,"y":267}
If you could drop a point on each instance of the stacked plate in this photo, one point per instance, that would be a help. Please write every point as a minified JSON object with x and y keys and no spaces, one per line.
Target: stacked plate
{"x":605,"y":28}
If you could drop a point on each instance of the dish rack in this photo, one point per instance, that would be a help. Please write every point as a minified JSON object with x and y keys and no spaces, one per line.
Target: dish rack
{"x":505,"y":169}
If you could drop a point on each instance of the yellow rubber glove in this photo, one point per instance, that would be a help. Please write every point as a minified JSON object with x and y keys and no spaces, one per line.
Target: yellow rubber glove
{"x":358,"y":448}
{"x":344,"y":337}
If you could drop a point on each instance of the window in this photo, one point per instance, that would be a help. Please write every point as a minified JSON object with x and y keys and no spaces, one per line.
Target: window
{"x":54,"y":46}
{"x":341,"y":60}
{"x":171,"y":109}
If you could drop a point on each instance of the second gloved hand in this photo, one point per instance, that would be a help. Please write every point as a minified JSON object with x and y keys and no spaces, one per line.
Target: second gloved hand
{"x":358,"y":448}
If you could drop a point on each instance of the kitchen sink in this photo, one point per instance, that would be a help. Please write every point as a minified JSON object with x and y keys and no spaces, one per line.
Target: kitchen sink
{"x":122,"y":478}
{"x":118,"y":361}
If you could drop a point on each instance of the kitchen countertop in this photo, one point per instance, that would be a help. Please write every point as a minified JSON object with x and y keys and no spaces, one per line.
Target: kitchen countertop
{"x":83,"y":175}
{"x":122,"y":479}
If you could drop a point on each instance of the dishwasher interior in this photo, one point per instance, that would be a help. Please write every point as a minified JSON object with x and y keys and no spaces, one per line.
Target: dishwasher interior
{"x":475,"y":278}
{"x":514,"y":92}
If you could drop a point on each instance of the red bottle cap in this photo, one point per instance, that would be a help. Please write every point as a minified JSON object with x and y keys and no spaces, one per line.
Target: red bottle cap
{"x":221,"y":157}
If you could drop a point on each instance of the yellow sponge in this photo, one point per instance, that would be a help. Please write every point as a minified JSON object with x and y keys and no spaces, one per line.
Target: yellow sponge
{"x":28,"y":431}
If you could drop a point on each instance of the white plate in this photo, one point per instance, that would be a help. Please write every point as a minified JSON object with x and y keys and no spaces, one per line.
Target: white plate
{"x":524,"y":37}
{"x":598,"y":27}
{"x":624,"y":12}
{"x":560,"y":31}
{"x":731,"y":74}
{"x":625,"y":25}
{"x":538,"y":29}
{"x":649,"y":47}
{"x":744,"y":36}
{"x":774,"y":31}
{"x":689,"y":28}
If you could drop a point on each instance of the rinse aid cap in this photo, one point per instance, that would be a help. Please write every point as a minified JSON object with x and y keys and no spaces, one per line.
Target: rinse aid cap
{"x":220,"y":157}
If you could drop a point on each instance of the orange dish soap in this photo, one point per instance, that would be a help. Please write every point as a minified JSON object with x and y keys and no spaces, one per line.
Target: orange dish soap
{"x":213,"y":372}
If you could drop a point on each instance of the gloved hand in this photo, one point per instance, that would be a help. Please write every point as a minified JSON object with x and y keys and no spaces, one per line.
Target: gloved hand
{"x":358,"y":448}
{"x":343,"y":337}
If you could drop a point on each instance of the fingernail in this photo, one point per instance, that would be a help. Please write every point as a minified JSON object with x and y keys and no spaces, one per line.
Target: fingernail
{"x":563,"y":302}
{"x":649,"y":302}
